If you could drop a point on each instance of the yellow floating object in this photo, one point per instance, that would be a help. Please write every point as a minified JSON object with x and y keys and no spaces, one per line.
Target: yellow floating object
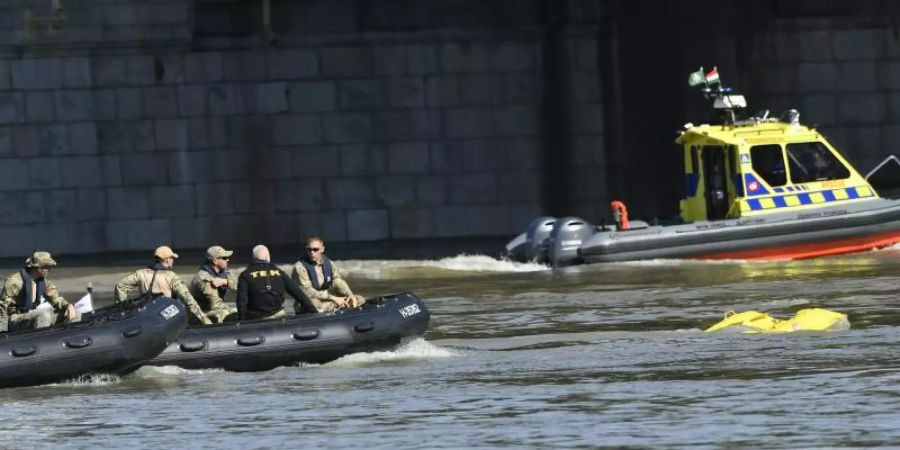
{"x":810,"y":319}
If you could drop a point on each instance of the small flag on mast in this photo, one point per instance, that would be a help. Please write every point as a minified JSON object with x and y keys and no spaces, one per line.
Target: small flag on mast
{"x":696,"y":78}
{"x":702,"y":77}
{"x":712,"y":77}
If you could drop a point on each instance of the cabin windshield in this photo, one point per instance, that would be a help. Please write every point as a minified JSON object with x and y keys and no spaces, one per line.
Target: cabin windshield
{"x":812,"y":161}
{"x":768,"y":163}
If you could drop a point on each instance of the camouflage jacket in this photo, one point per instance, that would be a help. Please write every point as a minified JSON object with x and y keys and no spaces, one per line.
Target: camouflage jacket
{"x":166,"y":283}
{"x":13,"y":288}
{"x":339,"y":287}
{"x":209,"y":297}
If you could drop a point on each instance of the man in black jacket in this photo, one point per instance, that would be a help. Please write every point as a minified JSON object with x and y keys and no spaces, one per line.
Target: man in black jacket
{"x":261,"y":289}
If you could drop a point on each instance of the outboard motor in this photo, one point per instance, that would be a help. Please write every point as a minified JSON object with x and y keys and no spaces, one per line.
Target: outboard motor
{"x":531,"y":245}
{"x":565,"y":239}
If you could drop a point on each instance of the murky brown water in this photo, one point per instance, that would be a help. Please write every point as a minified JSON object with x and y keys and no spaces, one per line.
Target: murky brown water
{"x":520,"y":357}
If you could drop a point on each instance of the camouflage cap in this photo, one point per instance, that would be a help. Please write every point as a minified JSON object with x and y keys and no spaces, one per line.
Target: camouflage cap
{"x":40,"y":259}
{"x":164,"y":251}
{"x":217,"y":251}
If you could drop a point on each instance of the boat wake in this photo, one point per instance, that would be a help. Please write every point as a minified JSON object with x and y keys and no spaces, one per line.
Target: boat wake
{"x":96,"y":379}
{"x":463,"y":263}
{"x":416,"y":349}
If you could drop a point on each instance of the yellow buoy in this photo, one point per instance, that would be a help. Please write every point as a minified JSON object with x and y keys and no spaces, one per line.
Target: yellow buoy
{"x":810,"y":319}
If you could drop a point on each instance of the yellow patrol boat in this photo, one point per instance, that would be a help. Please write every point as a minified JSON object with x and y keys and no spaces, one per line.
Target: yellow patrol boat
{"x":756,"y":188}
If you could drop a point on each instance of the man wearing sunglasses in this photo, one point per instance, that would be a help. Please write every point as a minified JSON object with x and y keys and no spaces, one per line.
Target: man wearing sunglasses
{"x":212,"y":281}
{"x":321,"y":281}
{"x":22,"y":294}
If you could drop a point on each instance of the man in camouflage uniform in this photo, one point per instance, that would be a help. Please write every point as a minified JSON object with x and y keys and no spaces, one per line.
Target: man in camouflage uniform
{"x":159,"y":279}
{"x":22,"y":294}
{"x":320,"y":280}
{"x":212,"y":282}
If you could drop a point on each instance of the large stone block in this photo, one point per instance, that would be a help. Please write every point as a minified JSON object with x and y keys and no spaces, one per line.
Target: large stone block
{"x":856,"y":76}
{"x":208,"y":132}
{"x":111,"y":174}
{"x":10,"y":205}
{"x":144,"y":169}
{"x":192,"y":100}
{"x":586,"y":87}
{"x":31,"y":208}
{"x":362,"y":159}
{"x":588,"y":119}
{"x":159,"y":102}
{"x":125,"y":137}
{"x":473,"y":189}
{"x":82,"y":171}
{"x":74,"y":105}
{"x":171,"y":134}
{"x":818,"y":109}
{"x":329,"y":225}
{"x":203,"y":67}
{"x":412,"y":223}
{"x":348,"y":193}
{"x":139,"y":70}
{"x":464,"y":57}
{"x":128,"y":202}
{"x":109,"y":71}
{"x":349,"y":127}
{"x":481,"y":155}
{"x":889,"y":75}
{"x":172,"y":201}
{"x":6,"y":142}
{"x":344,"y":62}
{"x":423,"y":59}
{"x":76,"y":73}
{"x":367,"y":225}
{"x":817,"y":77}
{"x":519,"y":187}
{"x":83,"y":138}
{"x":213,"y":199}
{"x":28,"y":141}
{"x":266,"y":98}
{"x":476,"y":89}
{"x":868,"y":108}
{"x":291,"y":64}
{"x":265,"y":164}
{"x":408,"y":158}
{"x":60,"y":205}
{"x":247,"y":65}
{"x":12,"y":107}
{"x":815,"y":45}
{"x":38,"y":73}
{"x":129,"y":103}
{"x":586,"y":55}
{"x":406,"y":92}
{"x":19,"y":241}
{"x":316,"y":162}
{"x":225,"y":99}
{"x":312,"y":96}
{"x":59,"y":238}
{"x":431,"y":190}
{"x":138,"y":234}
{"x":39,"y":106}
{"x":513,"y":56}
{"x":255,"y":197}
{"x":858,"y":44}
{"x":363,"y":93}
{"x":468,"y":122}
{"x":302,"y":195}
{"x":91,"y":203}
{"x":445,"y":157}
{"x":522,"y":120}
{"x":44,"y":173}
{"x":393,"y":191}
{"x":252,"y":132}
{"x":5,"y":78}
{"x":296,"y":130}
{"x":408,"y":124}
{"x":390,"y":60}
{"x":54,"y":140}
{"x":441,"y":90}
{"x":519,"y":88}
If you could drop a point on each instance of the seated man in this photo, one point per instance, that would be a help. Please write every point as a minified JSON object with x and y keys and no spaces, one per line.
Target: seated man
{"x":22,"y":293}
{"x":261,"y":288}
{"x":321,"y":281}
{"x":159,"y":279}
{"x":212,"y":282}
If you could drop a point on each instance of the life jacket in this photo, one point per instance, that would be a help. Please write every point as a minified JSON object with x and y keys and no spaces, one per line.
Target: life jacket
{"x":25,"y":302}
{"x":327,"y":273}
{"x":224,"y":275}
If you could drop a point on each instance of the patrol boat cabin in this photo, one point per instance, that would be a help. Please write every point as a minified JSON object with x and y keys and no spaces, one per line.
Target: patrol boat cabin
{"x":756,"y":188}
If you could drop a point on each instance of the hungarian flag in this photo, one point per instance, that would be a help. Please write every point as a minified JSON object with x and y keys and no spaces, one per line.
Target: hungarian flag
{"x":712,"y":76}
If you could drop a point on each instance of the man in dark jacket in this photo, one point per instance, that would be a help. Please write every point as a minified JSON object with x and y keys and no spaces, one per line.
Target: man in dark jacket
{"x":261,"y":289}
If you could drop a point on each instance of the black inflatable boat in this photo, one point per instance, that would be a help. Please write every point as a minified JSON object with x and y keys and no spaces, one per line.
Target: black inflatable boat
{"x":312,"y":338}
{"x":112,"y":340}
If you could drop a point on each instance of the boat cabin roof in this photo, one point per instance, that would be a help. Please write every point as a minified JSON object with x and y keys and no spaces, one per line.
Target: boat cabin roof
{"x":763,"y":132}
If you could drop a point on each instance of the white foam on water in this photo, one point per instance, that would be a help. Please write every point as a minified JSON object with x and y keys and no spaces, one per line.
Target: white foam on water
{"x":376,"y":269}
{"x":155,"y":371}
{"x":418,"y":348}
{"x":96,"y":379}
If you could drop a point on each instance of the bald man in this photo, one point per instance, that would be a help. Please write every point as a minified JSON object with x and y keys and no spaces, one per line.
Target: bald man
{"x":261,"y":289}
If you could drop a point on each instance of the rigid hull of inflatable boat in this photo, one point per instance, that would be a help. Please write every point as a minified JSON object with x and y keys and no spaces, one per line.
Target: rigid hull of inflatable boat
{"x":310,"y":338}
{"x":816,"y":233}
{"x":112,"y":340}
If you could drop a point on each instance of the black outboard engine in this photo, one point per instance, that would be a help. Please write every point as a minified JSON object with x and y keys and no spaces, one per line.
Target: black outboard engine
{"x":567,"y":235}
{"x":531,"y":245}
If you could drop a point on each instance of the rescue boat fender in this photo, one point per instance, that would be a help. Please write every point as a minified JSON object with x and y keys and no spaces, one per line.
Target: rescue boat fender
{"x":809,"y":319}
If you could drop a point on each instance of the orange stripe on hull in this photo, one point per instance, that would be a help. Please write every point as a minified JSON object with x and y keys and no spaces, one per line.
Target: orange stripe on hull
{"x":813,"y":249}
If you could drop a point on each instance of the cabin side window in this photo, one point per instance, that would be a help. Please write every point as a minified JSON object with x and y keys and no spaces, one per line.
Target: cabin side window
{"x":768,"y":163}
{"x":812,"y":161}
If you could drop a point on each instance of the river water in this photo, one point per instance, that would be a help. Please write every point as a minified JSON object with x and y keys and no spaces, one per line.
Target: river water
{"x":520,"y":356}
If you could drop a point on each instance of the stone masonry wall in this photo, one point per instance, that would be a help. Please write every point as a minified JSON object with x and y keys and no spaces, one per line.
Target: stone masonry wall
{"x":129,"y":124}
